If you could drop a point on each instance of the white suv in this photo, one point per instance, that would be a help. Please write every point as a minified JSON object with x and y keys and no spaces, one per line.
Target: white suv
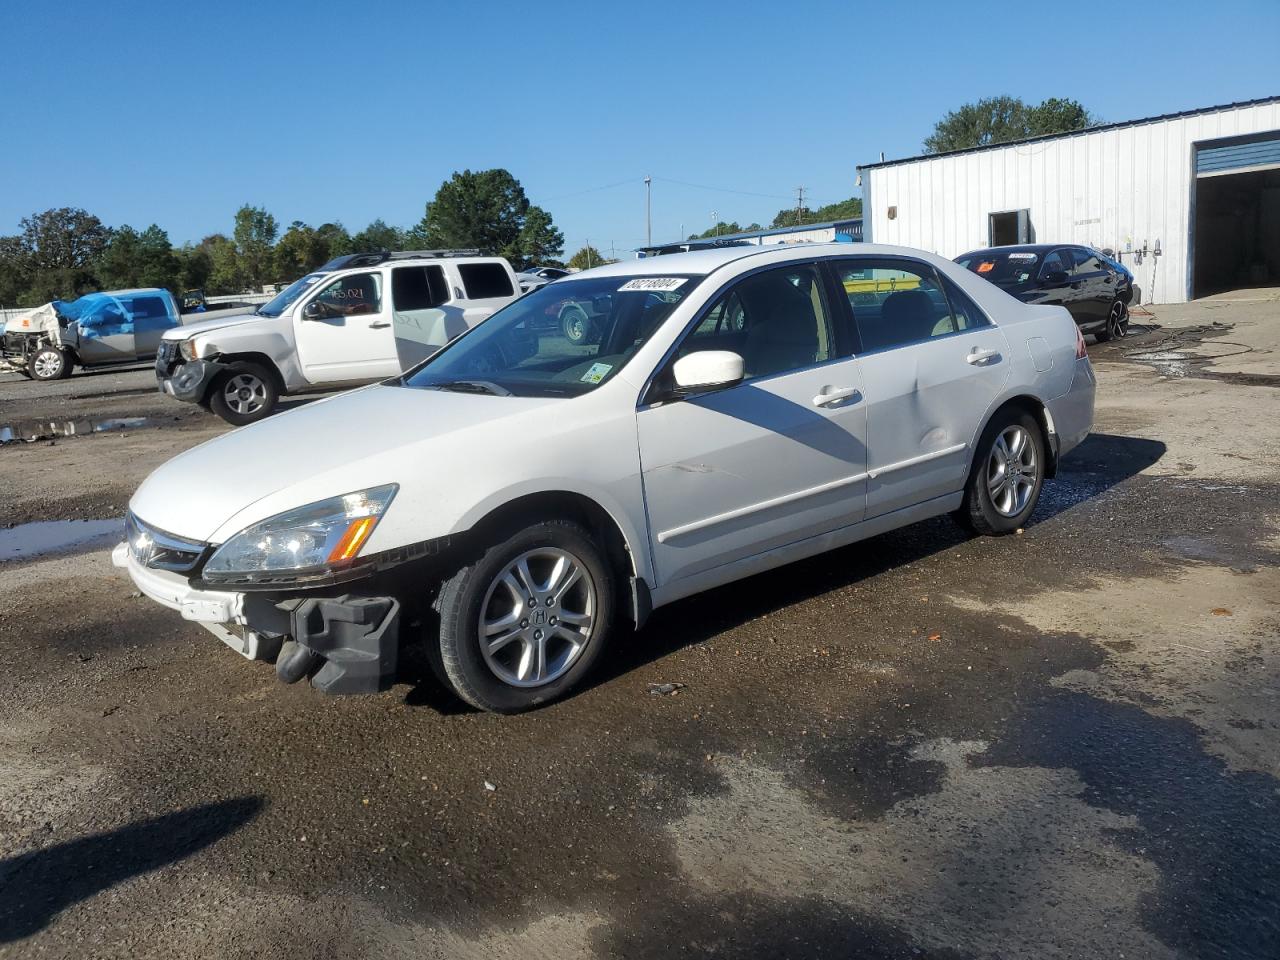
{"x":358,"y":318}
{"x":505,"y":502}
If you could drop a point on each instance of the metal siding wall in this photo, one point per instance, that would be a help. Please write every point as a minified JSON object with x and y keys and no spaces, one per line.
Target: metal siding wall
{"x":1134,"y":181}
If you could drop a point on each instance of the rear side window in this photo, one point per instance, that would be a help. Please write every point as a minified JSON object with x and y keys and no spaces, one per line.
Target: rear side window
{"x":1085,"y":262}
{"x":418,"y":288}
{"x":485,"y":280}
{"x":149,"y":313}
{"x":1057,"y":262}
{"x":899,"y":302}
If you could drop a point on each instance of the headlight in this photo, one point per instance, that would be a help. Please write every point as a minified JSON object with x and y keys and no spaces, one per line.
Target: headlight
{"x":187,"y":349}
{"x":313,"y":539}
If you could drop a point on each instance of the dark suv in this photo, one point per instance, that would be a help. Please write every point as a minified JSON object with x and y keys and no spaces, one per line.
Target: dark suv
{"x":1078,"y":278}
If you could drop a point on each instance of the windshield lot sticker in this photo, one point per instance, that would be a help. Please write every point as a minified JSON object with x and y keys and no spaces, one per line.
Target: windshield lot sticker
{"x":653,"y":284}
{"x":597,"y":372}
{"x":985,"y":266}
{"x":1029,"y":257}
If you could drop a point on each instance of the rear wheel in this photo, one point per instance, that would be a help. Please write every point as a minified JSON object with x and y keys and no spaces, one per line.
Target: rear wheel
{"x":244,"y":394}
{"x":523,"y":623}
{"x":1006,"y":477}
{"x":49,"y":363}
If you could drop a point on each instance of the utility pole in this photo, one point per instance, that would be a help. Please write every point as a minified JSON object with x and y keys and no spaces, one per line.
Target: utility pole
{"x":648,"y":210}
{"x":799,"y":203}
{"x":588,"y":253}
{"x":715,"y":222}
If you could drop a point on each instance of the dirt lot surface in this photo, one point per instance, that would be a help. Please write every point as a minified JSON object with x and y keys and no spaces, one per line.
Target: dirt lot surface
{"x":1058,"y":744}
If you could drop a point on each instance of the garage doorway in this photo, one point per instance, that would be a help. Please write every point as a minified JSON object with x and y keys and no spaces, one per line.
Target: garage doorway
{"x":1009,"y":227}
{"x":1236,"y":238}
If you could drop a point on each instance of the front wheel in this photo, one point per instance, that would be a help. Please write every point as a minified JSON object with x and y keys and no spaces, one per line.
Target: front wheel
{"x":523,"y":623}
{"x":49,"y":363}
{"x":244,"y":394}
{"x":1006,"y":477}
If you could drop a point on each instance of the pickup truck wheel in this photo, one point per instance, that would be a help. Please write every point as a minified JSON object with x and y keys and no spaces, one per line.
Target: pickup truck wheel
{"x":246,"y":393}
{"x":49,"y":363}
{"x":575,"y":324}
{"x":1006,"y":477}
{"x":524,"y":622}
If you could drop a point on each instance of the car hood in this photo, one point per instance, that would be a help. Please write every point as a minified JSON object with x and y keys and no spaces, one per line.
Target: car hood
{"x":217,"y":323}
{"x":365,"y":438}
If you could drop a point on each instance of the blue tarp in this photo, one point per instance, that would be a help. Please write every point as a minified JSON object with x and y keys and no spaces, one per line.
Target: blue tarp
{"x":104,"y":315}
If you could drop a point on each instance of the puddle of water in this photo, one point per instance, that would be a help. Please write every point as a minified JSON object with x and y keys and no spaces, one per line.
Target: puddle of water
{"x":48,"y":429}
{"x":43,"y":537}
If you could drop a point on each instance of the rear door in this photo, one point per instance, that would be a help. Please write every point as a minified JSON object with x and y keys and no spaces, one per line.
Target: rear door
{"x":153,"y":314}
{"x":932,"y":364}
{"x":424,"y":316}
{"x":351,"y":339}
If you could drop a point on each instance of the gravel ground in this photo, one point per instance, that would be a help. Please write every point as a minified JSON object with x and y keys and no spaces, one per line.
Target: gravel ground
{"x":1059,"y":744}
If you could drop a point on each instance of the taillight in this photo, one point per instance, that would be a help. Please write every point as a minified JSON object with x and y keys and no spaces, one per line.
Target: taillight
{"x":1081,"y":352}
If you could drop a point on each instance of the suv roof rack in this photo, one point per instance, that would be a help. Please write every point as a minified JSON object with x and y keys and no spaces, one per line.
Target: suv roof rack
{"x":382,"y":256}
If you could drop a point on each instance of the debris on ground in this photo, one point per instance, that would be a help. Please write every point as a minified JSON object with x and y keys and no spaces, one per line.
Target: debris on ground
{"x":665,"y":689}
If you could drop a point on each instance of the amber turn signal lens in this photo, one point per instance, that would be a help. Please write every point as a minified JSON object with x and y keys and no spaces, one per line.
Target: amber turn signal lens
{"x":353,"y":539}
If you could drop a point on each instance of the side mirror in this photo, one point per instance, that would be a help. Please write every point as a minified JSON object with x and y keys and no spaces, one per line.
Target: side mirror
{"x":312,"y":311}
{"x":1055,"y":278}
{"x":708,"y":369}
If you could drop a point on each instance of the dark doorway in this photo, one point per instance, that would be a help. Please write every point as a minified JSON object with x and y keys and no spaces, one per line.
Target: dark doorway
{"x":1009,"y":227}
{"x":1237,"y":231}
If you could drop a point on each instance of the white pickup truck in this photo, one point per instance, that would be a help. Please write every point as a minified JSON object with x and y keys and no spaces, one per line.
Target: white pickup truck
{"x":359,"y":318}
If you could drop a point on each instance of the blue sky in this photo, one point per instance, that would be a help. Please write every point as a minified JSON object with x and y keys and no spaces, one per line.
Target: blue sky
{"x":146,"y":112}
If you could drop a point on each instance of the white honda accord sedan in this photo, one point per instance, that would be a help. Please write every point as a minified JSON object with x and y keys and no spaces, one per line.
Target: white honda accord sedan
{"x":514,"y":497}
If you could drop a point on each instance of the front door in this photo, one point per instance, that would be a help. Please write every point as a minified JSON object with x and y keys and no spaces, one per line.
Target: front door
{"x":932,"y":365}
{"x":777,"y":458}
{"x":350,"y":336}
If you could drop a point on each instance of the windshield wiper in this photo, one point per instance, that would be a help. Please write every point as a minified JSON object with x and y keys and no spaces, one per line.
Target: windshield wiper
{"x":474,"y":386}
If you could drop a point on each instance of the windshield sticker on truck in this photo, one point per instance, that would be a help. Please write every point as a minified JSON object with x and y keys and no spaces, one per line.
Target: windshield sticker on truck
{"x":653,"y":284}
{"x":597,"y":372}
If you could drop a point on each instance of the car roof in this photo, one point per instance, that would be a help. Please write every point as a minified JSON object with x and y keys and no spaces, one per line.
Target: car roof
{"x":702,"y":262}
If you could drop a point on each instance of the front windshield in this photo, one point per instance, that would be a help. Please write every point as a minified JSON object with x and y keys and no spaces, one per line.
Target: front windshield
{"x":561,"y":340}
{"x":288,"y":296}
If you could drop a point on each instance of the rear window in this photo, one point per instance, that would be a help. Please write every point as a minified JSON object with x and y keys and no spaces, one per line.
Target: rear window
{"x":1002,"y":268}
{"x":485,"y":280}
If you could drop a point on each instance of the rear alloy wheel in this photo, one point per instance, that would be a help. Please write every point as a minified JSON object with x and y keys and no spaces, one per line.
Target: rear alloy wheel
{"x":522,"y":624}
{"x":1006,"y":477}
{"x":49,"y":363}
{"x":1118,"y":321}
{"x":244,"y":394}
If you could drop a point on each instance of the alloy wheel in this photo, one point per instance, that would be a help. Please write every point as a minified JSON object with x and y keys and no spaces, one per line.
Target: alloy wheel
{"x":1012,"y":471}
{"x":1118,"y":320}
{"x":245,"y":393}
{"x":537,"y":617}
{"x":48,"y":364}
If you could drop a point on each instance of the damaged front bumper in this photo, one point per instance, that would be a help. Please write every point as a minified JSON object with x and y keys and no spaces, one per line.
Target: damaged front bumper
{"x":347,"y":644}
{"x":187,"y":381}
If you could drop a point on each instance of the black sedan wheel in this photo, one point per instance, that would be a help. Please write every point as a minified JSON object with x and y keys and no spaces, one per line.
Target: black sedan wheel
{"x":1117,"y":323}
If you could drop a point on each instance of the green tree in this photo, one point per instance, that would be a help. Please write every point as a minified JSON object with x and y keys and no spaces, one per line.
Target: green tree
{"x":118,"y":265}
{"x":54,"y":256}
{"x":226,"y":275}
{"x":1001,"y":119}
{"x":255,"y":232}
{"x":378,"y":235}
{"x":15,"y":272}
{"x":722,"y":229}
{"x":588,"y":257}
{"x":539,"y":241}
{"x":194,"y":267}
{"x":334,"y":240}
{"x":840,"y":210}
{"x":486,"y":210}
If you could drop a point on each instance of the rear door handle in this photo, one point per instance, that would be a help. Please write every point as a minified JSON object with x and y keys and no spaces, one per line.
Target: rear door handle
{"x":835,"y":394}
{"x":980,"y":357}
{"x":379,"y":325}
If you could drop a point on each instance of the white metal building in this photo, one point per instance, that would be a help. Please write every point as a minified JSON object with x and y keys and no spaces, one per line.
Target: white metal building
{"x":1189,"y":201}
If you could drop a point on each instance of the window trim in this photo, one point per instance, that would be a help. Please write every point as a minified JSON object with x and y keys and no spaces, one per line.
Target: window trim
{"x":646,"y":398}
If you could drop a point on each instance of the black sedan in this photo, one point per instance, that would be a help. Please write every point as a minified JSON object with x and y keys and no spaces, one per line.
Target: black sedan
{"x":1096,"y":293}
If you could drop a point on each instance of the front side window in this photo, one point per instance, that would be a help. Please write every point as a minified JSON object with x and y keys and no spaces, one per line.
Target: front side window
{"x":485,"y":280}
{"x":561,"y":340}
{"x":355,"y":295}
{"x":776,"y":320}
{"x":897,"y":302}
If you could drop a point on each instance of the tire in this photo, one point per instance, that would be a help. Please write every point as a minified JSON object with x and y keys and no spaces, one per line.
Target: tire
{"x":245,"y":394}
{"x":506,"y":679}
{"x":989,"y":506}
{"x":1117,"y":327}
{"x":49,"y":363}
{"x":575,"y":324}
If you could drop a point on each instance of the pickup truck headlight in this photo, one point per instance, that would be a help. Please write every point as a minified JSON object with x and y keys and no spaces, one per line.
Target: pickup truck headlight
{"x":187,"y":349}
{"x":317,"y":538}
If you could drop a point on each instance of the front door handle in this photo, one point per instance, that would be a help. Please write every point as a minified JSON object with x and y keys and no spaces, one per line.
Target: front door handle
{"x":835,"y":394}
{"x":979,"y":356}
{"x":378,"y":325}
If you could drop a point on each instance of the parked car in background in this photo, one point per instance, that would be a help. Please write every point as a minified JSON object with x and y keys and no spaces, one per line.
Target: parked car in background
{"x":97,"y":330}
{"x":536,"y":277}
{"x":359,"y":318}
{"x":509,"y":500}
{"x":1092,"y":288}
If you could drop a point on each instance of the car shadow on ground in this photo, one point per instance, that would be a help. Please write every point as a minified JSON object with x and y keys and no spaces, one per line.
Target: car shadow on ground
{"x":1099,"y":463}
{"x":35,"y":887}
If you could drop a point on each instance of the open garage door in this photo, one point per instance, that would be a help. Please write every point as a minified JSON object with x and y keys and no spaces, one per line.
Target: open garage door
{"x":1237,"y":214}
